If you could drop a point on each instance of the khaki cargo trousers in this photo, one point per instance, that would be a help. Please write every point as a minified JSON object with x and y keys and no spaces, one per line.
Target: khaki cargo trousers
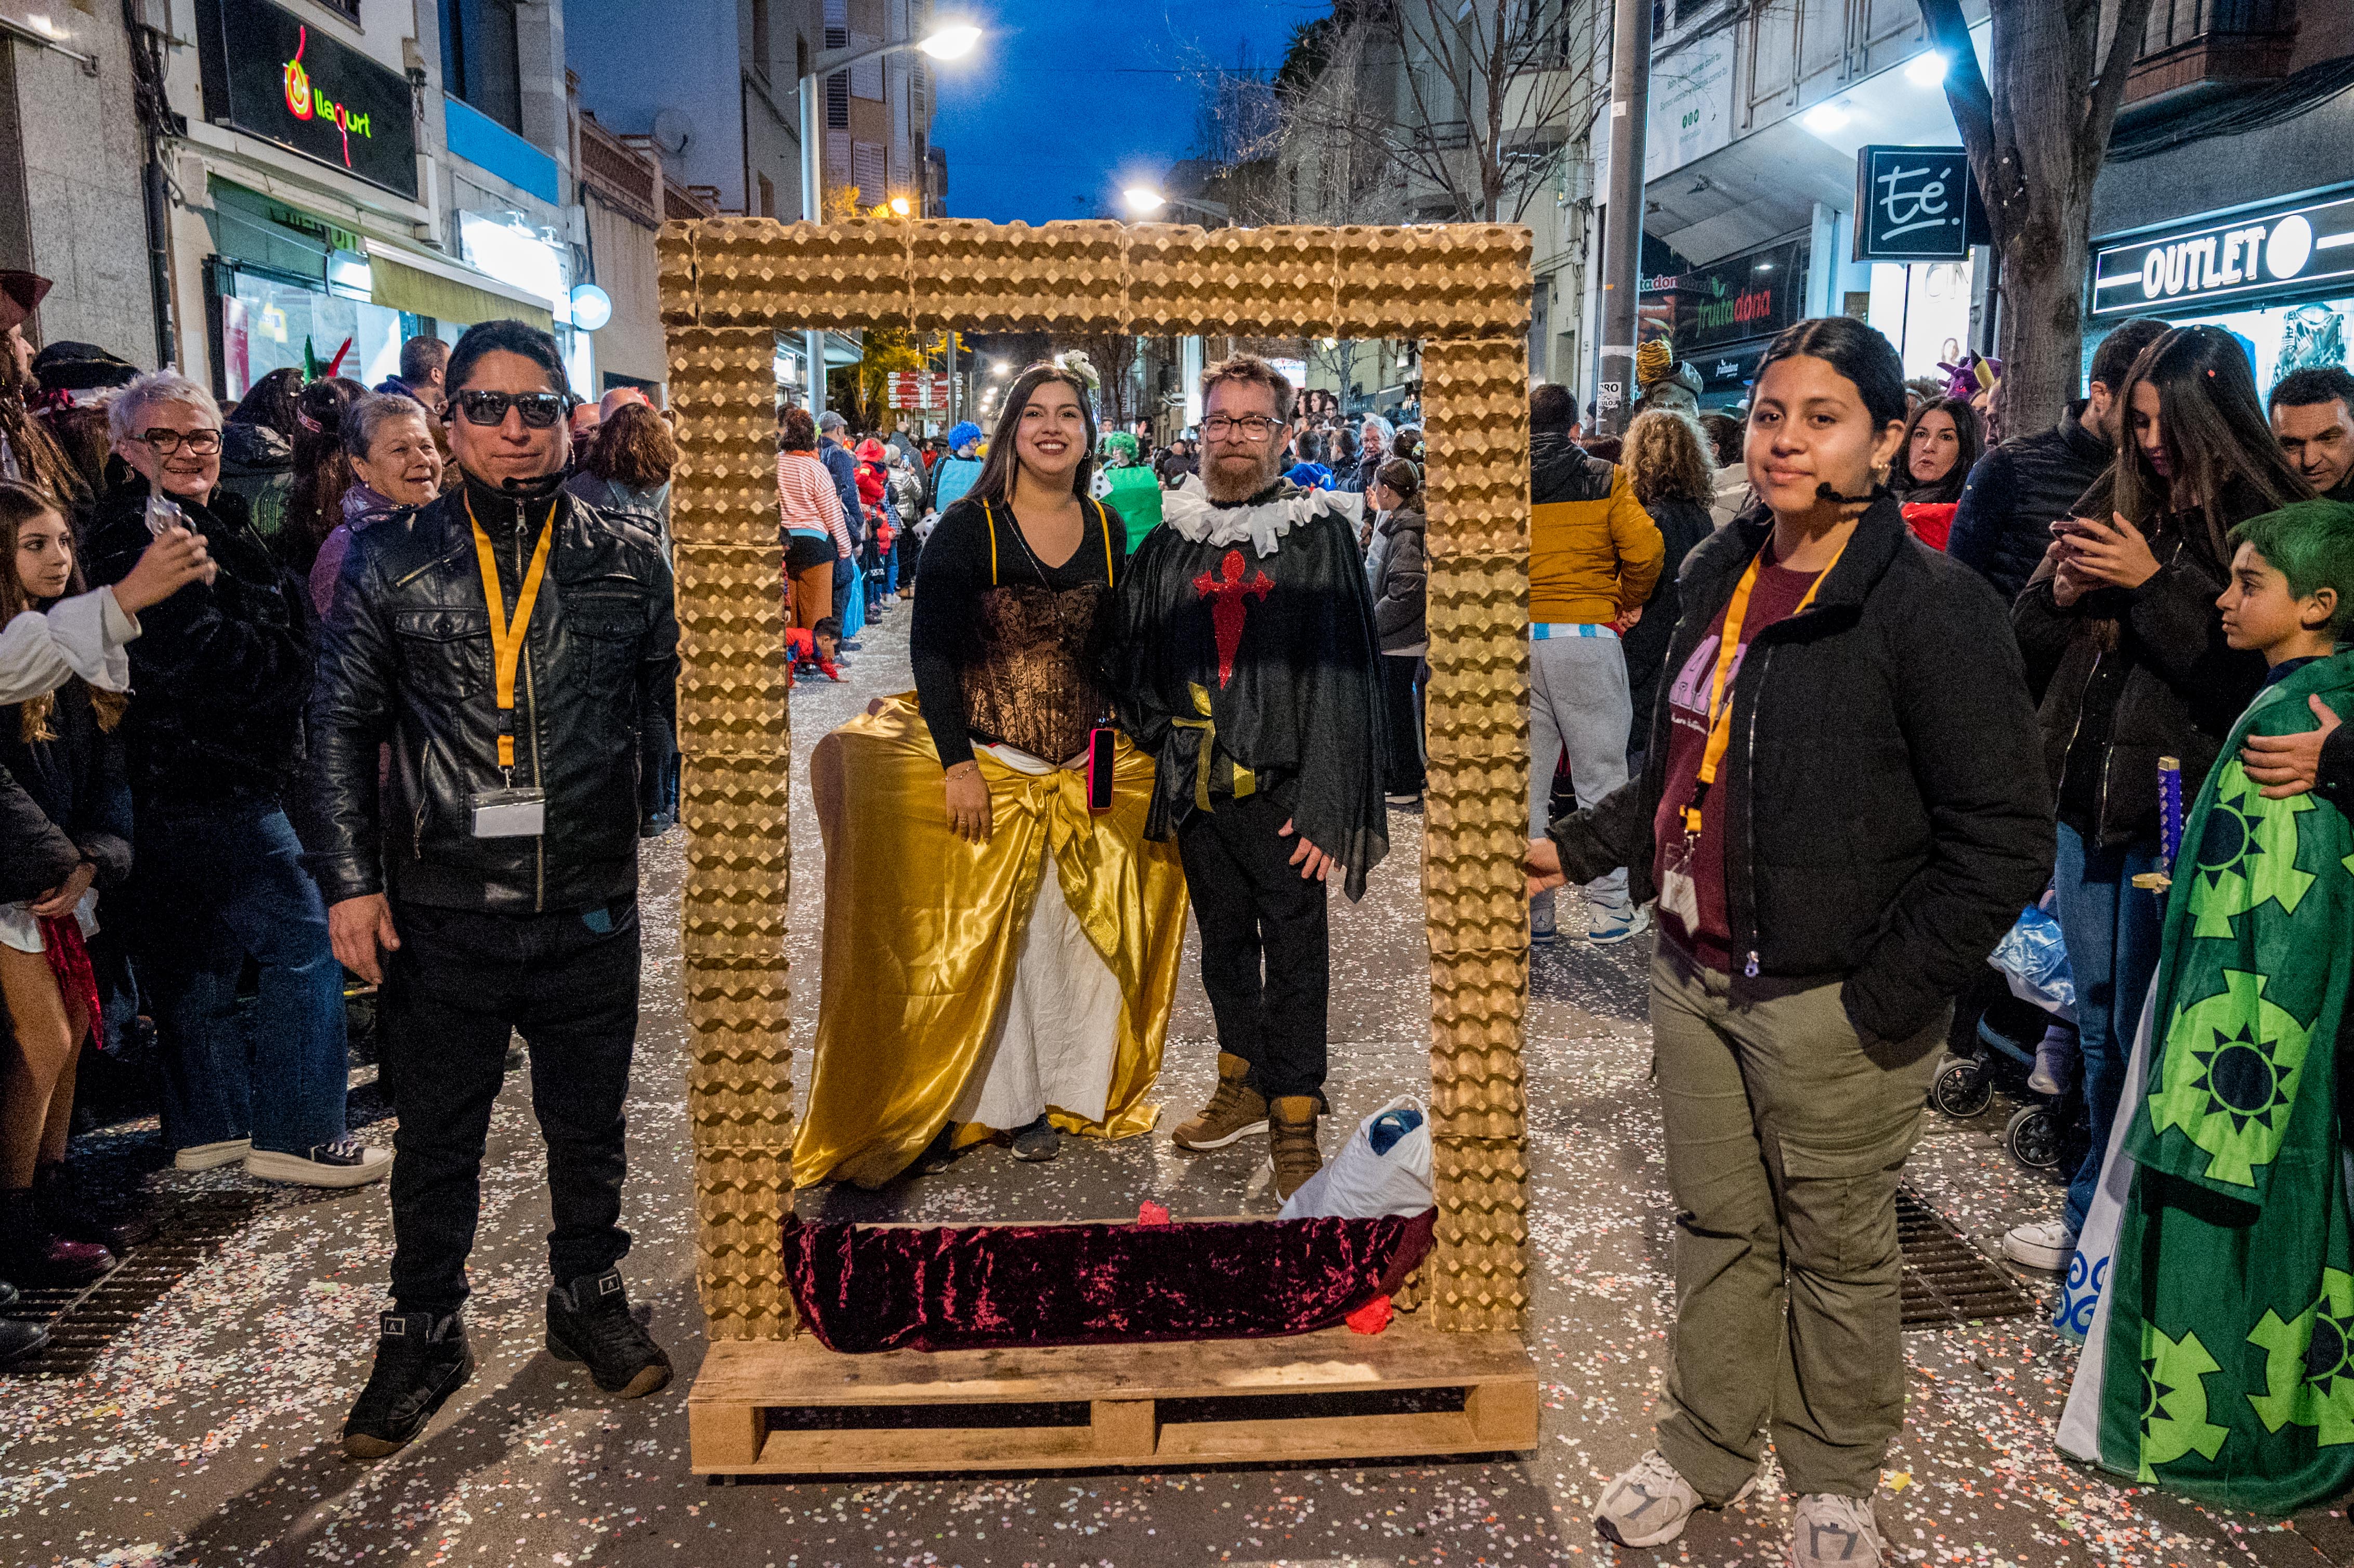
{"x":1785,"y":1133}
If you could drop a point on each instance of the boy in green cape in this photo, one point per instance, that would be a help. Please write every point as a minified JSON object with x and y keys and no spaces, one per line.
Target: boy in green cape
{"x":2221,"y":1362}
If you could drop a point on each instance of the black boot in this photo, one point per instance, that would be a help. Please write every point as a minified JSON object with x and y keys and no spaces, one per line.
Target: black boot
{"x":19,"y":1339}
{"x":589,"y":1321}
{"x":420,"y":1360}
{"x":67,"y":1210}
{"x":36,"y":1255}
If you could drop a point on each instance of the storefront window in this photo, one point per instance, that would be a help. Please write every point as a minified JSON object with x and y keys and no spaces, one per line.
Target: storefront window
{"x":269,"y":325}
{"x":1923,"y":308}
{"x":2283,"y":338}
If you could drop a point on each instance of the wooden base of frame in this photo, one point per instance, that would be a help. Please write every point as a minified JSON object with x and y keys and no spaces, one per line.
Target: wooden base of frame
{"x":792,"y":1408}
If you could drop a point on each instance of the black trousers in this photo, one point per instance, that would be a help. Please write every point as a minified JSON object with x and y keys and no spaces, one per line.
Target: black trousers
{"x":1266,"y":949}
{"x":1399,"y":674}
{"x":459,"y":982}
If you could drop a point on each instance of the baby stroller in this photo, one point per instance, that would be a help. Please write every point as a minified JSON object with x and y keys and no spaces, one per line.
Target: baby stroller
{"x":1997,"y":1026}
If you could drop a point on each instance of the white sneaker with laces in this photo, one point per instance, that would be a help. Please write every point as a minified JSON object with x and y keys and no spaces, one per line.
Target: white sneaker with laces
{"x":1611,"y":926}
{"x":1541,"y":926}
{"x":205,"y":1156}
{"x":1828,"y":1530}
{"x":2047,"y":1246}
{"x":1646,"y":1505}
{"x":346,"y":1162}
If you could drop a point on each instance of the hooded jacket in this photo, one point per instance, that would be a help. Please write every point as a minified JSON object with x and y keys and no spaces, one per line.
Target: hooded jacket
{"x":1883,"y":830}
{"x":1593,"y":552}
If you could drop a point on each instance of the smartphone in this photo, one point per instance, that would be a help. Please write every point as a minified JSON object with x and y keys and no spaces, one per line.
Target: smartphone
{"x":1099,"y":768}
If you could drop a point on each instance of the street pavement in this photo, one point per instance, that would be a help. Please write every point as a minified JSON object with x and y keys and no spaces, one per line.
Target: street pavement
{"x":207,"y":1433}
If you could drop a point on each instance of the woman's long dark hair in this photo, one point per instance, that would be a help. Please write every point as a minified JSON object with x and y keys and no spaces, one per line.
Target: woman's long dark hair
{"x":270,"y":402}
{"x":2215,"y":430}
{"x":322,"y":472}
{"x":996,"y":480}
{"x":1971,"y":447}
{"x":19,"y":505}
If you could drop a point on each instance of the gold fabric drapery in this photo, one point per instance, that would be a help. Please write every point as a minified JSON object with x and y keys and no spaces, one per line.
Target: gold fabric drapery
{"x":921,"y":929}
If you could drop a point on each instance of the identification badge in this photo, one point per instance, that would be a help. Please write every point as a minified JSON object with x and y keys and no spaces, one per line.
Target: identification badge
{"x":510,"y":814}
{"x":1679,"y":895}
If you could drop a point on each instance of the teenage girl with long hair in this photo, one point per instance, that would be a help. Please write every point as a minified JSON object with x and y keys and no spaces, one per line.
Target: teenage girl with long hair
{"x":2125,"y":646}
{"x":65,"y":831}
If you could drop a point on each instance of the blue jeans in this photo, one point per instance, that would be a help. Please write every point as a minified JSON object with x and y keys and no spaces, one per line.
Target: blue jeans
{"x":2111,"y":930}
{"x":221,"y":884}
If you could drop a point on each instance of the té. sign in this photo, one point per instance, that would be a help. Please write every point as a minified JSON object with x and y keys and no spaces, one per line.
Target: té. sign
{"x":1916,"y":204}
{"x":270,"y":74}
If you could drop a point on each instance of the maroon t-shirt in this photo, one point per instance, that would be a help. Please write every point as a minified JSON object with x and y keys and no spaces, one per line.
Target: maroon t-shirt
{"x":1775,"y":597}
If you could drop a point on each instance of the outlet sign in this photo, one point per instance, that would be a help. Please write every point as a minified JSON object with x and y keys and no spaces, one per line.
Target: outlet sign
{"x":270,"y":74}
{"x":2279,"y":251}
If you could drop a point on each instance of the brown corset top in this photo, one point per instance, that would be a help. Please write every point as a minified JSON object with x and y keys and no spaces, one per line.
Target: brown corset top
{"x":1028,"y":684}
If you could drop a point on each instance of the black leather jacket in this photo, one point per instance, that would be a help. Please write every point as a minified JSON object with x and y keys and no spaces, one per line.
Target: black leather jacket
{"x":406,"y":657}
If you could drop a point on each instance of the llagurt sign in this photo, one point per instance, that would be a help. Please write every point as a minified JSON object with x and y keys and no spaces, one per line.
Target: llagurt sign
{"x":2268,"y":253}
{"x":270,"y":74}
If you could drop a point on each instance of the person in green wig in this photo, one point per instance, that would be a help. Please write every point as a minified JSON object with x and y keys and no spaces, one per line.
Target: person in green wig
{"x":2218,"y":1357}
{"x":1128,"y":487}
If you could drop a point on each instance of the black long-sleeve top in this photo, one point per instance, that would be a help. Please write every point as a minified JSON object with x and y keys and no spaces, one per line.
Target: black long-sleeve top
{"x":953,"y":633}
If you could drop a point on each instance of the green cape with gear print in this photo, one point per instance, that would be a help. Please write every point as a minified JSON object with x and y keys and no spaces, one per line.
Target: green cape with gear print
{"x":2232,"y":1289}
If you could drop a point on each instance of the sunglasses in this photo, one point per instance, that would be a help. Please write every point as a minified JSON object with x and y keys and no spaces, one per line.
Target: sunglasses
{"x":539,"y":409}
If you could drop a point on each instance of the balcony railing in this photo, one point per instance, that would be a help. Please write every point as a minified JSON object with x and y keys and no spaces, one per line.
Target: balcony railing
{"x":2189,"y":43}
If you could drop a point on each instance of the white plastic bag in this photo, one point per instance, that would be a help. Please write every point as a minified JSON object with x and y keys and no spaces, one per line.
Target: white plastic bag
{"x":1358,"y":1183}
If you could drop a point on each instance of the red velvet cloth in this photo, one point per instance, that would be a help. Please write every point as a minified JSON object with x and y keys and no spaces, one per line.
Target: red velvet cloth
{"x":1931,"y":521}
{"x":868,"y":1288}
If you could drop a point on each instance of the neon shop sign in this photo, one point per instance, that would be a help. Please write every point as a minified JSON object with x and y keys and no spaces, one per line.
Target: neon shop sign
{"x":305,"y":102}
{"x":272,"y":75}
{"x":2263,"y":254}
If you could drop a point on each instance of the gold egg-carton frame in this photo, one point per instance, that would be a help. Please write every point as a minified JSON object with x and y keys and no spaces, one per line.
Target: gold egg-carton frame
{"x":729,"y":285}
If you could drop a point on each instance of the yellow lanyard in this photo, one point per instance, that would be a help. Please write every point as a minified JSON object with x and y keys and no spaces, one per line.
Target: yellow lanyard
{"x":507,"y":638}
{"x":1720,"y":699}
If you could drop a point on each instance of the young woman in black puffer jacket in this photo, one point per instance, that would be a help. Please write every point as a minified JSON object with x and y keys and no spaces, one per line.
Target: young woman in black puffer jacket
{"x":2125,"y":648}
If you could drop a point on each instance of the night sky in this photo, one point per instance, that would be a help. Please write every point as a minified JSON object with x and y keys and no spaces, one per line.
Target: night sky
{"x":1063,"y":103}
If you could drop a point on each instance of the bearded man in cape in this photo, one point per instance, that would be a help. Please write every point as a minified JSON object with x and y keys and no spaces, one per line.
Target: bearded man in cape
{"x":1242,"y":655}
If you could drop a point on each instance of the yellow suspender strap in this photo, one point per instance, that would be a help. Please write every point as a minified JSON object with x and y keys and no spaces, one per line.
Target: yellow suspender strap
{"x":991,"y":517}
{"x":506,"y":636}
{"x":1720,"y":699}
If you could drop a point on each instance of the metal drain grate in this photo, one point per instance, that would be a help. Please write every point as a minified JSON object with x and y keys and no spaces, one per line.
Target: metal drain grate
{"x":82,"y":1322}
{"x":1948,"y":1282}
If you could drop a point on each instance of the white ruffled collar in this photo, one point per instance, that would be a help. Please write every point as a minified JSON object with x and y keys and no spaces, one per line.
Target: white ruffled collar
{"x":1188,"y":509}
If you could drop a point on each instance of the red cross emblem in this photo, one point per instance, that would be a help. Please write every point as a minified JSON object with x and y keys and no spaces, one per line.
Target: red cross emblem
{"x":1226,"y":591}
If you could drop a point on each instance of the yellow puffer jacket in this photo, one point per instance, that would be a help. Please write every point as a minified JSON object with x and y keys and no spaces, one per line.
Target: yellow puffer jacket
{"x":1593,"y":552}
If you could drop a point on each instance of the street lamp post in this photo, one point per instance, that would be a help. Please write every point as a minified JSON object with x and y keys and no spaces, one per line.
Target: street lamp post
{"x":948,"y":41}
{"x":1144,"y":201}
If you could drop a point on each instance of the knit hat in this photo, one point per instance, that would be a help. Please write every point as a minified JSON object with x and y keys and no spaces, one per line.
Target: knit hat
{"x":1653,"y":361}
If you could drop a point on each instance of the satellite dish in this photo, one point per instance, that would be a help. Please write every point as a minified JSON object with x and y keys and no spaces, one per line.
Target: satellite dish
{"x":674,"y":131}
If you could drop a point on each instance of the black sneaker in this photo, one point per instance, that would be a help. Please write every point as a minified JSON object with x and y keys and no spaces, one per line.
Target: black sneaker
{"x":589,"y":1321}
{"x":420,"y":1360}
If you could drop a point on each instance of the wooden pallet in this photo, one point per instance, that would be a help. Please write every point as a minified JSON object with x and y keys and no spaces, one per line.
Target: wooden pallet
{"x":793,"y":1407}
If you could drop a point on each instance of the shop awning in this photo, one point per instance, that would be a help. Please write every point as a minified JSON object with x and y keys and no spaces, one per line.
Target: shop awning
{"x":411,"y":288}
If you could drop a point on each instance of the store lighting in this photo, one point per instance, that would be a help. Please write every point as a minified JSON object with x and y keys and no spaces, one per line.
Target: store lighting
{"x":591,"y":307}
{"x":1824,"y":119}
{"x":349,"y":275}
{"x":1927,"y":71}
{"x":951,"y":41}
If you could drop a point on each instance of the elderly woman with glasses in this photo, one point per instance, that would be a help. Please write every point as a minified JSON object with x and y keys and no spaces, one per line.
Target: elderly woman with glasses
{"x":218,"y":678}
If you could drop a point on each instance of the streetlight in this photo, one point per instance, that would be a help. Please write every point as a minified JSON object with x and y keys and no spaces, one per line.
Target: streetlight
{"x":948,"y":40}
{"x":1144,"y":201}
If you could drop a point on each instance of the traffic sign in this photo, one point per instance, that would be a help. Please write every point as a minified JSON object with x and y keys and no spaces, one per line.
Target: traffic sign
{"x":919,"y":389}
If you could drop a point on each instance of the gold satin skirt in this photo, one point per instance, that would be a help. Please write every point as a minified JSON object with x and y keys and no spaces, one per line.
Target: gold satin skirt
{"x":921,"y":931}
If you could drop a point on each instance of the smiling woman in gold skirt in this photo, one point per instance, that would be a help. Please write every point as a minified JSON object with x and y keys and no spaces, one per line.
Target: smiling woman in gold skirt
{"x":999,"y":958}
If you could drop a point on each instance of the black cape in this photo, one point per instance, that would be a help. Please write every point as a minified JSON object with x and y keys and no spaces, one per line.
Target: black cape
{"x":1297,"y":701}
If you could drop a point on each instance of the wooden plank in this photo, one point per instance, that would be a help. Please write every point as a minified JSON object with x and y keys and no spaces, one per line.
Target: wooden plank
{"x":1320,"y":1437}
{"x":904,"y":1450}
{"x":1504,"y":1415}
{"x":1124,"y":1428}
{"x":726,"y":1437}
{"x":800,"y":1372}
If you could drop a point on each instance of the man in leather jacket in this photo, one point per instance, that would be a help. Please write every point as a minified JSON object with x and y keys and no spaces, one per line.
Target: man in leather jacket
{"x":513,"y":644}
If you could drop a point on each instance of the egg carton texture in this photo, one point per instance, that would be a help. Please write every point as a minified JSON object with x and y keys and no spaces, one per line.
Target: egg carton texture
{"x":1057,"y":278}
{"x":730,"y":284}
{"x":1451,"y":280}
{"x":756,"y":272}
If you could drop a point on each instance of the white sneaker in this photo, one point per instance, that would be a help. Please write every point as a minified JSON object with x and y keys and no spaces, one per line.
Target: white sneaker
{"x":205,"y":1156}
{"x":1828,"y":1531}
{"x":1541,"y":926}
{"x":2047,"y":1246}
{"x":1646,"y":1505}
{"x":1612,"y":926}
{"x":345,"y":1163}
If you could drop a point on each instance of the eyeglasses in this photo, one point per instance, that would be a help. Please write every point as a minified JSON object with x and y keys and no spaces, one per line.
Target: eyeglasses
{"x":202,"y":443}
{"x":539,"y":409}
{"x":1250,"y":426}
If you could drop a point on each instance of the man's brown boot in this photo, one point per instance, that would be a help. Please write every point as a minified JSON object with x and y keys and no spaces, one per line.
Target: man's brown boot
{"x":1291,"y":1141}
{"x":1236,"y":1111}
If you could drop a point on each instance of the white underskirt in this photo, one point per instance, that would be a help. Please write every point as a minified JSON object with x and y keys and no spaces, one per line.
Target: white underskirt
{"x":20,"y":929}
{"x":1055,"y":1040}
